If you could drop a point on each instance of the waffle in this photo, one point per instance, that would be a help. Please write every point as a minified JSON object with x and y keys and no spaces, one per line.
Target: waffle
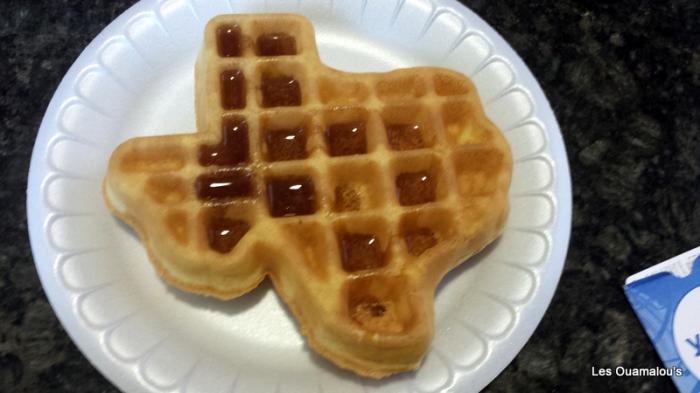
{"x":355,"y":193}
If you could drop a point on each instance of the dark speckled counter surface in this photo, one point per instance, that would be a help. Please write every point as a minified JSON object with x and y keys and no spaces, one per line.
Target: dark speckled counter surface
{"x":624,"y":82}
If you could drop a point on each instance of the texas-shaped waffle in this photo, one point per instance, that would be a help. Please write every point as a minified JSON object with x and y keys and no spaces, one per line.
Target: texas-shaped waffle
{"x":354,"y":192}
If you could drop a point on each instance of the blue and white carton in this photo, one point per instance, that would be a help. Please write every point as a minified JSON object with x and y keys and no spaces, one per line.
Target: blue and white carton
{"x":666,"y":298}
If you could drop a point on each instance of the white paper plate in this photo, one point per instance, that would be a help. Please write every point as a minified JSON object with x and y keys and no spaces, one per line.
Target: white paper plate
{"x":136,"y":78}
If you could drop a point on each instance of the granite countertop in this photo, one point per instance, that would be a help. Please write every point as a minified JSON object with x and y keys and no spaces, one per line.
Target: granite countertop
{"x":624,"y":81}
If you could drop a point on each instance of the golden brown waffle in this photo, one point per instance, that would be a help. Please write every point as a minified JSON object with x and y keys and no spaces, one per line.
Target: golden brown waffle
{"x":354,"y":193}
